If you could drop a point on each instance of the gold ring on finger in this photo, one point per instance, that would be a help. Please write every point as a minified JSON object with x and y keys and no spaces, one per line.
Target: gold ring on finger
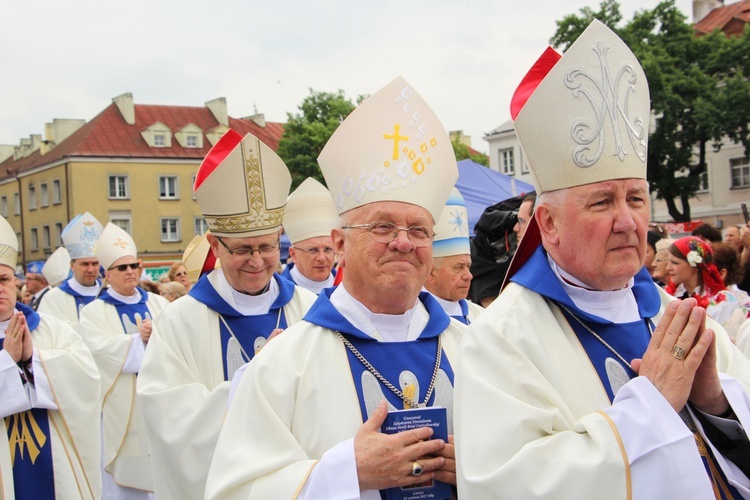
{"x":416,"y":468}
{"x":678,"y":352}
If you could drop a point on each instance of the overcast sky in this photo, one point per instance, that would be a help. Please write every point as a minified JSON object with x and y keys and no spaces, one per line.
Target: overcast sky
{"x":466,"y":57}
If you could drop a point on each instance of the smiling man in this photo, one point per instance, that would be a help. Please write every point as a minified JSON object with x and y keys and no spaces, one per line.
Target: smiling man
{"x":66,"y":301}
{"x":201,"y":340}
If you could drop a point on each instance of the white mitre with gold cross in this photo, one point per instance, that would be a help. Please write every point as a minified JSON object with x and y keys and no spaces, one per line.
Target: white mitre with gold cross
{"x":452,"y":228}
{"x":391,"y":148}
{"x":8,"y":245}
{"x":242,"y":186}
{"x":57,"y":267}
{"x":113,"y":244}
{"x":310,"y":212}
{"x":583,"y":117}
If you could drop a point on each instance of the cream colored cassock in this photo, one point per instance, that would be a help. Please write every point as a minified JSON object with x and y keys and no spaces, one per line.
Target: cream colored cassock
{"x":74,"y":382}
{"x":61,"y":305}
{"x":184,"y":395}
{"x":126,"y":454}
{"x":534,"y":421}
{"x":292,"y":410}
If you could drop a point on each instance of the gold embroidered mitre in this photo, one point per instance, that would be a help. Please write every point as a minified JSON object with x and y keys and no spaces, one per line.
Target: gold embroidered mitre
{"x":583,"y":117}
{"x":391,"y":148}
{"x":242,"y":186}
{"x":198,"y":258}
{"x":8,"y":245}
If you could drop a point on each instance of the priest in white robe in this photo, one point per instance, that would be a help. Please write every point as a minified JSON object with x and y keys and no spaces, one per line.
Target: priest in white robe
{"x":49,"y":399}
{"x":66,"y":301}
{"x":117,"y":328}
{"x":450,"y":276}
{"x":583,"y":379}
{"x":306,"y":417}
{"x":202,"y":339}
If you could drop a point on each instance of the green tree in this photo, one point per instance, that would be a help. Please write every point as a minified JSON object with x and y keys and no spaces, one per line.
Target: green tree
{"x":307,"y":132}
{"x":463,"y":152}
{"x":699,"y":92}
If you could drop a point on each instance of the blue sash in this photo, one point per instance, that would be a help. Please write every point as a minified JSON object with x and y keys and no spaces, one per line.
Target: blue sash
{"x":29,"y":442}
{"x":81,"y":300}
{"x":464,"y":318}
{"x":251,"y":332}
{"x":131,"y":315}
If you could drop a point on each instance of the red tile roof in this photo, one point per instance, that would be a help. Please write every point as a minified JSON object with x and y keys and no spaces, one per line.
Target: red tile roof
{"x":731,"y":19}
{"x":108,"y":135}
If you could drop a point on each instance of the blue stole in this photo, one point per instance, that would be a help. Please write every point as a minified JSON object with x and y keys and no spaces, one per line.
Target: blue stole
{"x":131,"y":315}
{"x":251,"y":331}
{"x":628,"y":339}
{"x":464,"y":318}
{"x":81,"y":300}
{"x":29,"y":442}
{"x":391,"y":359}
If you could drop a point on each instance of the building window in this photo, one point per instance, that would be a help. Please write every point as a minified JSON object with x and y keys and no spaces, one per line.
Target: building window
{"x":32,"y":197}
{"x":168,"y":187}
{"x":44,"y":194}
{"x":200,"y":225}
{"x":45,"y":237}
{"x":191,"y":141}
{"x":506,"y":161}
{"x":34,"y":239}
{"x":170,"y":230}
{"x":159,"y":140}
{"x":118,"y":187}
{"x":121,"y":219}
{"x":703,"y":183}
{"x":20,"y":243}
{"x":4,"y":206}
{"x":58,"y":234}
{"x":16,"y":204}
{"x":740,"y":172}
{"x":56,"y":192}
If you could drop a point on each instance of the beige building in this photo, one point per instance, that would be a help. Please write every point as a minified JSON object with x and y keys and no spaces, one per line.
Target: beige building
{"x":132,"y":164}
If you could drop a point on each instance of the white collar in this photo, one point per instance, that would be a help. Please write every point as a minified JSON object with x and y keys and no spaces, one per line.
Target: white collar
{"x":617,"y":306}
{"x":127,"y":299}
{"x":305,"y":282}
{"x":451,"y":308}
{"x":86,"y":291}
{"x":247,"y":305}
{"x":382,"y":327}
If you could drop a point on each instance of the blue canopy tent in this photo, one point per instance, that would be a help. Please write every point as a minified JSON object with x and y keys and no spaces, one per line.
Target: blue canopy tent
{"x":482,"y":187}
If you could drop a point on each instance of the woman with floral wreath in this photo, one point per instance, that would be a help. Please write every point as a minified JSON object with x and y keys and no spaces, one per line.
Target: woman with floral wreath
{"x":692,"y":273}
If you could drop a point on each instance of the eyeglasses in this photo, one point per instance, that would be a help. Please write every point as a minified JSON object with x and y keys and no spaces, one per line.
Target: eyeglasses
{"x":181,"y":273}
{"x":522,"y":221}
{"x":265,"y":251}
{"x":123,"y":267}
{"x":313,"y":251}
{"x":385,"y":232}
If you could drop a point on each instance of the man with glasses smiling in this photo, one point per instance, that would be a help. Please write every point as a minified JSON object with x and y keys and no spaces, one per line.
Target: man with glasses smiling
{"x":305,"y":420}
{"x":201,"y":340}
{"x":117,"y":328}
{"x":309,"y":217}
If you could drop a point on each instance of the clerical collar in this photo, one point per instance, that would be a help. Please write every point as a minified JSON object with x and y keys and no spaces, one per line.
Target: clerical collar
{"x":383,"y":327}
{"x":86,"y":291}
{"x":247,"y":305}
{"x":617,"y":306}
{"x":126,"y":299}
{"x":450,"y":307}
{"x":313,"y":286}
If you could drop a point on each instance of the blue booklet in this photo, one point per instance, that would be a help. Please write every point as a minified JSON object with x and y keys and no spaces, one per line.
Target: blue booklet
{"x":403,"y":420}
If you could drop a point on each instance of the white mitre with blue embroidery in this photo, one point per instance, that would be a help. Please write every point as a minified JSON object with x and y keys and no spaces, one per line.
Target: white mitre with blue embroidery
{"x":583,"y":117}
{"x":80,"y":235}
{"x":57,"y":267}
{"x":8,"y":245}
{"x":452,"y":228}
{"x":391,"y":148}
{"x":113,"y":244}
{"x":310,"y":212}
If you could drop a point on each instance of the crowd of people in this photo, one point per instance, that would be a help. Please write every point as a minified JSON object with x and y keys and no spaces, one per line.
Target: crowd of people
{"x":605,"y":368}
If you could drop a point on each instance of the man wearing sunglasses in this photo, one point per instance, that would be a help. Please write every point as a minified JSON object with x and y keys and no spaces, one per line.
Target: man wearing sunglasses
{"x":117,"y":328}
{"x":309,"y":217}
{"x":67,"y":300}
{"x":201,"y":340}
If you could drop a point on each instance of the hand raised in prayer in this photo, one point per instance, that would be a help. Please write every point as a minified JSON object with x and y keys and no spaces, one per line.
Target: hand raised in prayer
{"x":13,"y":343}
{"x":145,"y":330}
{"x":674,"y":359}
{"x":386,"y":460}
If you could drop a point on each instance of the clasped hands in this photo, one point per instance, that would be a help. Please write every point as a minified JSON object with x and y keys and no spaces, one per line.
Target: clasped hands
{"x":17,"y":342}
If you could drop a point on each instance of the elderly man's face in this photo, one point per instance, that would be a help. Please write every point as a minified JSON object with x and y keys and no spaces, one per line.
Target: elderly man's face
{"x":732,"y":237}
{"x":313,"y":257}
{"x":597,"y":233}
{"x":385,"y":277}
{"x":35,"y":282}
{"x":450,"y":277}
{"x":247,"y":269}
{"x":124,"y":275}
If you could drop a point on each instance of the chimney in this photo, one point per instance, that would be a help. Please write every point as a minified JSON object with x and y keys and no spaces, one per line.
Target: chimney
{"x":219,"y":109}
{"x":702,"y":8}
{"x":127,"y":108}
{"x":458,"y":135}
{"x":6,"y":151}
{"x":59,"y":130}
{"x":258,"y":118}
